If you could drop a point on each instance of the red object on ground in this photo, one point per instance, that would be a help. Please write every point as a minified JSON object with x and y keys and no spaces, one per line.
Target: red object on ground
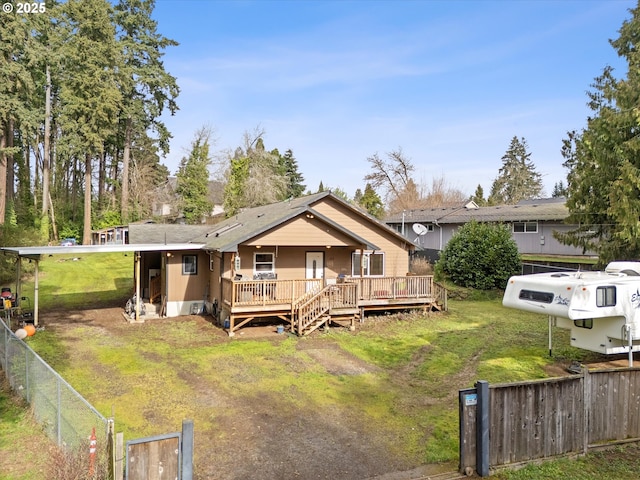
{"x":92,"y":451}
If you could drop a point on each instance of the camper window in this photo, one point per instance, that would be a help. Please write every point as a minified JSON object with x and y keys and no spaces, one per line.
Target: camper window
{"x":542,"y":297}
{"x":606,"y":296}
{"x":584,"y":323}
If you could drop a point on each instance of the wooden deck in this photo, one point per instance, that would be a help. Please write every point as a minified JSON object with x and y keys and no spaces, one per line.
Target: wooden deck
{"x":307,"y":304}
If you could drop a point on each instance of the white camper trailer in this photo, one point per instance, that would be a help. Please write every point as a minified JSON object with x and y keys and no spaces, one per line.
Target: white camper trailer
{"x":601,"y":309}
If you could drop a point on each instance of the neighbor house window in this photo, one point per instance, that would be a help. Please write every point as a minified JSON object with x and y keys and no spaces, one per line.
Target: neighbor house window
{"x":606,"y":296}
{"x":372,"y":264}
{"x":189,"y":264}
{"x":263,"y":263}
{"x":525,"y":227}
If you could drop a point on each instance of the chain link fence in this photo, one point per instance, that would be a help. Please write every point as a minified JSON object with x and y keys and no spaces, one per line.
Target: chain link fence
{"x":66,"y":417}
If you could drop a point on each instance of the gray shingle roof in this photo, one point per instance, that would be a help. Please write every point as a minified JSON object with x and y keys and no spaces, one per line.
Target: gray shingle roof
{"x":543,"y":210}
{"x":228,"y":234}
{"x":164,"y":233}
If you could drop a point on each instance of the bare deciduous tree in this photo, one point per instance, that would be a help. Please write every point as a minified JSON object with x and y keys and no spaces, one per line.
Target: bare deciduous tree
{"x":392,"y":174}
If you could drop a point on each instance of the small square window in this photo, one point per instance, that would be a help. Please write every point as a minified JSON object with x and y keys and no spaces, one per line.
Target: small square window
{"x":263,"y":263}
{"x":189,"y":264}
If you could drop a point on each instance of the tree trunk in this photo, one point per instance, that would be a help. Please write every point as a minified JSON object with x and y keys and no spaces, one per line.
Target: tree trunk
{"x":3,"y":171}
{"x":102,"y":167}
{"x":10,"y":178}
{"x":53,"y":219}
{"x":124,"y":202}
{"x":46,"y":161}
{"x":86,"y":233}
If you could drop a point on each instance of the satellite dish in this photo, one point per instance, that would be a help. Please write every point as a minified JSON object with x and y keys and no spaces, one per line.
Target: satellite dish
{"x":419,"y":229}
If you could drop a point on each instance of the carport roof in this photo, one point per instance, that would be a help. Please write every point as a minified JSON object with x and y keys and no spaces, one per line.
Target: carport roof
{"x":37,"y":252}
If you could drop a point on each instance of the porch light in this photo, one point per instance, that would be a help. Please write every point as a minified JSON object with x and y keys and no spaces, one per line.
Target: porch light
{"x":328,"y":246}
{"x":309,"y":215}
{"x":258,"y":246}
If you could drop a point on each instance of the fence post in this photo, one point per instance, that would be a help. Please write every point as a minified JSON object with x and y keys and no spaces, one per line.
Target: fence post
{"x":586,"y":408}
{"x":187,"y":449}
{"x":119,"y":457}
{"x":482,"y":429}
{"x":58,"y":412}
{"x":26,"y":375}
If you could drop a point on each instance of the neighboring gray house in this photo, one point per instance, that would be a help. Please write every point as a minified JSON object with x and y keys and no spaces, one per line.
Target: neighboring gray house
{"x":532,"y":223}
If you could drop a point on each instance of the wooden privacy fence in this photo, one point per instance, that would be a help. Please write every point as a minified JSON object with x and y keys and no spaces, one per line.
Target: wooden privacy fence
{"x":161,"y":457}
{"x":511,"y":424}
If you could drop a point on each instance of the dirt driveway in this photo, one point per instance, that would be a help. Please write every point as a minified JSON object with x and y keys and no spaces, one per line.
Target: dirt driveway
{"x":258,"y":439}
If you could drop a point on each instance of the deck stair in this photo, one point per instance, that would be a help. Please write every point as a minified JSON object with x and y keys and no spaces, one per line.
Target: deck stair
{"x":313,"y":313}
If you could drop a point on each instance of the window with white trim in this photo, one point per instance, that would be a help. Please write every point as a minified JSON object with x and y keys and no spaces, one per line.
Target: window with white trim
{"x":263,"y":263}
{"x":525,"y":227}
{"x":372,"y":264}
{"x":189,"y":264}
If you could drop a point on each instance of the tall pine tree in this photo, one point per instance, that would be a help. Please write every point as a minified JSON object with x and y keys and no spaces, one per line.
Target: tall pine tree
{"x":193,"y":179}
{"x":517,"y":178}
{"x":603,"y":192}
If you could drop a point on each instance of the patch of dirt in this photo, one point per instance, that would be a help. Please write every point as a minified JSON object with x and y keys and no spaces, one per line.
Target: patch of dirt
{"x":257,"y":438}
{"x":334,"y":360}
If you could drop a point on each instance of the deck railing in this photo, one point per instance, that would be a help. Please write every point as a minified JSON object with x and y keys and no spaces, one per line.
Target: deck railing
{"x":339,"y":296}
{"x":374,"y":288}
{"x":246,"y":293}
{"x":155,"y":289}
{"x":267,"y":292}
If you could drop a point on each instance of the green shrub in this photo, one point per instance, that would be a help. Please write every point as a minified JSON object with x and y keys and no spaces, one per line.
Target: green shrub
{"x":479,"y":255}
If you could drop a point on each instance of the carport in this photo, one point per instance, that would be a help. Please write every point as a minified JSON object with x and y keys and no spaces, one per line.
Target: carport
{"x":36,"y":254}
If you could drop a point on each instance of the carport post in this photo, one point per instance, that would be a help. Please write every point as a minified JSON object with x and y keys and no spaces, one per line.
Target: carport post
{"x":35,"y":294}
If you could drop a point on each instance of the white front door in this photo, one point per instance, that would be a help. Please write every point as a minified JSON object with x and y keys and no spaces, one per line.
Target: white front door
{"x":315,"y":266}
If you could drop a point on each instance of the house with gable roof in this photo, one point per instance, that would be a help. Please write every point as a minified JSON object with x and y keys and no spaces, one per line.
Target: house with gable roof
{"x":532,"y":224}
{"x":307,"y":261}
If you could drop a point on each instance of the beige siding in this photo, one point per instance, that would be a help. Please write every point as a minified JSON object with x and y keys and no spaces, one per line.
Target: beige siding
{"x":305,"y":231}
{"x":394,"y":248}
{"x":187,"y":287}
{"x":290,"y":262}
{"x":215,"y":274}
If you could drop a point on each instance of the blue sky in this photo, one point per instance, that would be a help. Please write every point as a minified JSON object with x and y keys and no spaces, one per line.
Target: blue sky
{"x":448,"y":82}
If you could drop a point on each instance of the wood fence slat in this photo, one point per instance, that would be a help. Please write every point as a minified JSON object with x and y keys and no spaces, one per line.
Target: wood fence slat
{"x":559,"y":416}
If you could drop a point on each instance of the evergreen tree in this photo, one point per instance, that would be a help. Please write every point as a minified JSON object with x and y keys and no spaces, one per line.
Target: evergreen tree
{"x":234,"y":188}
{"x":340,"y":193}
{"x":16,"y":89}
{"x":147,"y":88}
{"x":603,"y":193}
{"x":478,"y":196}
{"x":372,"y":202}
{"x":517,"y":178}
{"x":289,"y":169}
{"x":192,"y":179}
{"x":559,"y":190}
{"x":90,"y":95}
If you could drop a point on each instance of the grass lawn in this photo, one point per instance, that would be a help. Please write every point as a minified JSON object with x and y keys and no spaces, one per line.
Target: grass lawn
{"x":402,"y":388}
{"x":23,"y":445}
